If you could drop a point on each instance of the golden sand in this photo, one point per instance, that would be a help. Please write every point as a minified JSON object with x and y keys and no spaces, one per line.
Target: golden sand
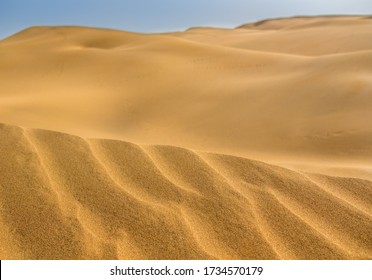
{"x":245,"y":143}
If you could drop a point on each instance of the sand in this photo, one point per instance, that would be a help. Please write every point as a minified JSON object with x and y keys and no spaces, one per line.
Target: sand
{"x":245,"y":143}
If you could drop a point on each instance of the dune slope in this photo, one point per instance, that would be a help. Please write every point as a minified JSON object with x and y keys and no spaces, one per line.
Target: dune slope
{"x":65,"y":197}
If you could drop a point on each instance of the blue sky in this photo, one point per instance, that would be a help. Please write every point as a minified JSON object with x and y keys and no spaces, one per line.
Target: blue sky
{"x":162,"y":15}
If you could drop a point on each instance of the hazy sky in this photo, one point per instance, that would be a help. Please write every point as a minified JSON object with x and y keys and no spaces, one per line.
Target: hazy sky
{"x":162,"y":15}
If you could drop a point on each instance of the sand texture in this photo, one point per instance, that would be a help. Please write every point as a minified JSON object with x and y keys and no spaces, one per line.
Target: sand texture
{"x":245,"y":143}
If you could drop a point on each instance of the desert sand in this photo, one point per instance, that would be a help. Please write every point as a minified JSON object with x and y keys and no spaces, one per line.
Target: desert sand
{"x":246,"y":143}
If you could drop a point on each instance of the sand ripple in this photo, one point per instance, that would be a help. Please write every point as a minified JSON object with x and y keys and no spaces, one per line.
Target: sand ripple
{"x":65,"y":197}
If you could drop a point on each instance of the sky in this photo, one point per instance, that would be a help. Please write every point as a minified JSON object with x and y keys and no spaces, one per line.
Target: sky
{"x":162,"y":15}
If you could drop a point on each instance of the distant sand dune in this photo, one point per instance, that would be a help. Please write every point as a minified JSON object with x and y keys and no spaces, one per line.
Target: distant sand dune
{"x":68,"y":198}
{"x":309,"y":88}
{"x":245,"y":143}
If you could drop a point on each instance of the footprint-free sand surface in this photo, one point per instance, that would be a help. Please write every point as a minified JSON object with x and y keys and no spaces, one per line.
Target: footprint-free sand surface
{"x":245,"y":143}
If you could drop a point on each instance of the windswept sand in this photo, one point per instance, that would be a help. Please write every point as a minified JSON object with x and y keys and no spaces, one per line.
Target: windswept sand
{"x":245,"y":143}
{"x":66,"y":197}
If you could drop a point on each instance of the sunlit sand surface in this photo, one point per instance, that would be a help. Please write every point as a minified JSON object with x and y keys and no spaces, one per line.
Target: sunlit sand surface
{"x":245,"y":143}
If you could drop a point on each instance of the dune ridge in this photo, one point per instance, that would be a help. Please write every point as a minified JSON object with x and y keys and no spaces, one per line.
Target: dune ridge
{"x":65,"y":197}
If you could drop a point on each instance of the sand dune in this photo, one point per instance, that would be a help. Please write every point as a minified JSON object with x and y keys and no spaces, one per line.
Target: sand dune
{"x":63,"y":196}
{"x":169,"y":89}
{"x":309,"y":36}
{"x":245,"y":143}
